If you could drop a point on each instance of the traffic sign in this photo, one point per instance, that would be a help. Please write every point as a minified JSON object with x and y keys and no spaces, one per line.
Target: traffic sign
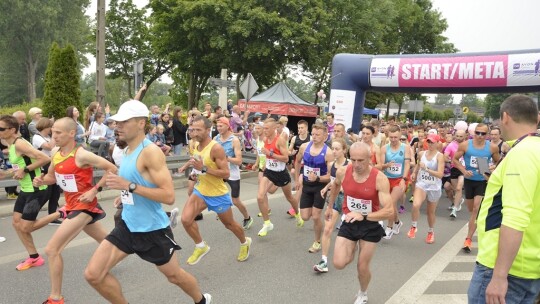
{"x":457,"y":111}
{"x":249,"y":87}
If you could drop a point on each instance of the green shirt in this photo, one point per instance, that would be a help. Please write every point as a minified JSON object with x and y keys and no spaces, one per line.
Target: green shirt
{"x":513,"y":199}
{"x":19,"y":161}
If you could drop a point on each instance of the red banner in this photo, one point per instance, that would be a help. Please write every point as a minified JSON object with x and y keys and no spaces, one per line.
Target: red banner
{"x":278,"y":108}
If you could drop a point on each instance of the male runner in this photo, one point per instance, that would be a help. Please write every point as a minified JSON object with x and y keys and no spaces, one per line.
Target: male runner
{"x":275,"y":150}
{"x":72,"y":169}
{"x":395,"y":160}
{"x":366,"y":201}
{"x":26,"y":162}
{"x":297,"y":140}
{"x":316,"y":174}
{"x":233,"y":152}
{"x":209,"y":162}
{"x":146,"y":183}
{"x":475,"y":183}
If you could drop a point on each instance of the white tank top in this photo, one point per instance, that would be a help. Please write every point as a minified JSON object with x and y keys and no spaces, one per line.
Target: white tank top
{"x":425,"y":180}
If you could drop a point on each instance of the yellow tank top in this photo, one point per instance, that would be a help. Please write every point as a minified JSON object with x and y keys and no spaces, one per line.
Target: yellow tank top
{"x":209,"y":185}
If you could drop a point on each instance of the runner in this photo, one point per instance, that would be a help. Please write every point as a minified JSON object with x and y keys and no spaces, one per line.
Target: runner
{"x":367,"y":138}
{"x":192,"y":178}
{"x":333,"y":212}
{"x":72,"y":169}
{"x":396,"y":159}
{"x":209,"y":162}
{"x":367,"y":200}
{"x":26,"y":164}
{"x":261,"y":162}
{"x":475,"y":183}
{"x":302,"y":137}
{"x":316,"y":175}
{"x":275,"y":150}
{"x":233,"y":152}
{"x":428,"y":175}
{"x":144,"y":229}
{"x":456,"y":176}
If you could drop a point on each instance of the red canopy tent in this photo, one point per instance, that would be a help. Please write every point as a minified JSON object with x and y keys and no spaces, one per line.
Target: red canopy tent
{"x":279,"y":99}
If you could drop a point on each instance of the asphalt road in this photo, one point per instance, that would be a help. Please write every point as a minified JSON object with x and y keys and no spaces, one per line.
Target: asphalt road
{"x":279,"y":269}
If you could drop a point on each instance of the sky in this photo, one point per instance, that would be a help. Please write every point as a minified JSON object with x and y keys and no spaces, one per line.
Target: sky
{"x":473,"y":25}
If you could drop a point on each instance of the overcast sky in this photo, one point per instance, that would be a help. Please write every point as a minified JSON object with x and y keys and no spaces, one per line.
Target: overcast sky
{"x":475,"y":25}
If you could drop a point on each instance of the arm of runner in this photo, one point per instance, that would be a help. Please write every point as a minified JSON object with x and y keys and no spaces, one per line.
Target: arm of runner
{"x":40,"y":159}
{"x":329,"y":157}
{"x":377,"y":156}
{"x":440,"y":167}
{"x":336,"y":186}
{"x":414,"y":175}
{"x":459,"y":154}
{"x":298,"y":161}
{"x":282,"y":146}
{"x":382,"y":155}
{"x":237,"y":159}
{"x":494,"y":153}
{"x":383,"y":188}
{"x":84,"y":158}
{"x":219,"y":157}
{"x":407,"y":163}
{"x":291,"y":145}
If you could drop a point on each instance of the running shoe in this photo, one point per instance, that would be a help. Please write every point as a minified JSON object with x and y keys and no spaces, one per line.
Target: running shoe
{"x":264,"y":230}
{"x":199,"y":217}
{"x":63,"y":212}
{"x":177,"y":174}
{"x":389,"y":232}
{"x":2,"y":239}
{"x":411,"y":199}
{"x":244,"y":250}
{"x":173,"y":219}
{"x":247,"y":223}
{"x":51,"y":301}
{"x":322,"y":267}
{"x":430,"y":239}
{"x":315,"y":247}
{"x":291,"y":212}
{"x":460,"y":203}
{"x":361,"y":298}
{"x":208,"y":298}
{"x":453,"y":213}
{"x":450,"y":207}
{"x":260,"y":213}
{"x":412,"y":232}
{"x":401,"y":209}
{"x":397,"y":227}
{"x":30,"y":262}
{"x":299,"y":221}
{"x":55,"y":223}
{"x":198,"y":253}
{"x":467,"y":245}
{"x":11,"y":196}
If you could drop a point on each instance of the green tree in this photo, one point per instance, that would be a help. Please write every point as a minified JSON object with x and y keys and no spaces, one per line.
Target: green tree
{"x":27,"y":30}
{"x":444,"y":99}
{"x":471,"y":100}
{"x":493,"y":104}
{"x":62,"y":88}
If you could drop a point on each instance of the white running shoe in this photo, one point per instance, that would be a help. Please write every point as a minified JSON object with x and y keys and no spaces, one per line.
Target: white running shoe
{"x":461,"y":203}
{"x":389,"y":232}
{"x":397,"y":227}
{"x":208,"y":298}
{"x":264,"y":230}
{"x":173,"y":220}
{"x":361,"y":298}
{"x":2,"y":239}
{"x":453,"y":213}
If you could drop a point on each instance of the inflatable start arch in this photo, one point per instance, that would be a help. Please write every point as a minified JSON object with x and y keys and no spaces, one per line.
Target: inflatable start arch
{"x":462,"y":73}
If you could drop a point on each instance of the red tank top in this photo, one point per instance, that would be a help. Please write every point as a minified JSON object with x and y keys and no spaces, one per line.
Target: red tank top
{"x":360,"y":197}
{"x":272,"y":146}
{"x":73,"y":180}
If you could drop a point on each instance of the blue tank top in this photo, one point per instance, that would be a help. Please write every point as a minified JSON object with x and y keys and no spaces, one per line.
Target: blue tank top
{"x":317,"y":163}
{"x":470,"y":159}
{"x":140,"y":213}
{"x":397,"y":169}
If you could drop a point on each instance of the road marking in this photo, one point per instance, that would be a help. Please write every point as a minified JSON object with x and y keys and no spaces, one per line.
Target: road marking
{"x":442,"y":299}
{"x":454,"y":276}
{"x":412,"y":291}
{"x":464,"y":259}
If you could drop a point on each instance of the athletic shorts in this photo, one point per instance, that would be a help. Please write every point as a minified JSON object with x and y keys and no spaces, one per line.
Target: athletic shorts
{"x":394,"y":182}
{"x":218,"y":204}
{"x":30,"y":203}
{"x":156,"y":247}
{"x":474,"y":188}
{"x":338,"y":204}
{"x":445,"y":179}
{"x":368,"y":231}
{"x":235,"y":187}
{"x":311,"y":195}
{"x":279,"y":178}
{"x":455,"y":173}
{"x":431,"y":195}
{"x":96,"y":214}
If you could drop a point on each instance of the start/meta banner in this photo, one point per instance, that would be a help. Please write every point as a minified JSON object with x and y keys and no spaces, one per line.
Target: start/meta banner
{"x":454,"y":72}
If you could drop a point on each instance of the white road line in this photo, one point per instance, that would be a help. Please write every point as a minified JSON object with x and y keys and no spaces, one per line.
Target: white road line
{"x":412,"y":291}
{"x":464,"y":259}
{"x":442,"y":299}
{"x":454,"y":276}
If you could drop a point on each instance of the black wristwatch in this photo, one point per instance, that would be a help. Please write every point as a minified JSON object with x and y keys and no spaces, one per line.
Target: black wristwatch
{"x":132,"y":187}
{"x":204,"y":169}
{"x":365,"y":216}
{"x":26,"y":170}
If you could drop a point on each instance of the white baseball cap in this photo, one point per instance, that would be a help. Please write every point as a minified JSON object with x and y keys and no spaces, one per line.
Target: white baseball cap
{"x":130,"y":109}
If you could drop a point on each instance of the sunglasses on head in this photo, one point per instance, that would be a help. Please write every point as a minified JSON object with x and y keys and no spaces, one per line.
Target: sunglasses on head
{"x":480,"y":133}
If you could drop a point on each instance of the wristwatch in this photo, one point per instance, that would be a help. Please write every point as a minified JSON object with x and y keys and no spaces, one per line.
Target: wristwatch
{"x":365,"y":216}
{"x":132,"y":187}
{"x":204,"y":169}
{"x":26,"y":170}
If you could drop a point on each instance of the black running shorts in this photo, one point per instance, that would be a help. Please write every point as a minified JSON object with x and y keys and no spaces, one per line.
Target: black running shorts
{"x":311,"y":195}
{"x":156,"y":247}
{"x":30,"y":203}
{"x":455,"y":173}
{"x":474,"y":188}
{"x":279,"y":178}
{"x":96,"y":215}
{"x":235,"y":187}
{"x":368,"y":231}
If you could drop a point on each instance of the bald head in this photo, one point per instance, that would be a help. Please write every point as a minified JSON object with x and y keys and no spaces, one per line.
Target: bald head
{"x":361,"y":149}
{"x":67,"y":124}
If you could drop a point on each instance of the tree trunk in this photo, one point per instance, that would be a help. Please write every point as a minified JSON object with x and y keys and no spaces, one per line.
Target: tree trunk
{"x":399,"y":109}
{"x":191,"y":91}
{"x":387,"y":109}
{"x":130,"y":93}
{"x":31,"y":67}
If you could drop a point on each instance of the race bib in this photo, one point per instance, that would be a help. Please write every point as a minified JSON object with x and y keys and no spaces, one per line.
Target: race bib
{"x":196,"y":172}
{"x":126,"y":197}
{"x":274,"y":165}
{"x":308,"y":170}
{"x":474,"y":162}
{"x":394,"y":169}
{"x":426,"y":177}
{"x":359,"y":205}
{"x":66,"y":182}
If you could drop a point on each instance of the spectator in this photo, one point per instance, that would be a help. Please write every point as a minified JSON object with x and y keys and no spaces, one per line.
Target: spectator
{"x":90,"y":113}
{"x":23,"y":127}
{"x":237,"y":120}
{"x":167,"y":123}
{"x":35,"y":114}
{"x":73,"y":113}
{"x":97,"y":138}
{"x":179,"y":131}
{"x":230,"y":106}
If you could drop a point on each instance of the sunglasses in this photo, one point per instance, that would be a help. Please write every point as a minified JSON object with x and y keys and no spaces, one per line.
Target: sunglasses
{"x":403,"y":139}
{"x":3,"y":129}
{"x":480,"y":133}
